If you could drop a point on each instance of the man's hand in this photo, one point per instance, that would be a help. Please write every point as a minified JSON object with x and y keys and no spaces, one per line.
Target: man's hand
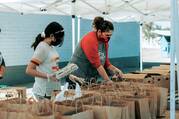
{"x":108,"y":82}
{"x":118,"y":73}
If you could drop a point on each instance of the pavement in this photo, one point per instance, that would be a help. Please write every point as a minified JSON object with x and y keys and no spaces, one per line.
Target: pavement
{"x":154,"y":55}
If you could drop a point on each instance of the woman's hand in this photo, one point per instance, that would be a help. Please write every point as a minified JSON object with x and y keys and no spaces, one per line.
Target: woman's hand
{"x":118,"y":73}
{"x":52,"y":77}
{"x":108,"y":82}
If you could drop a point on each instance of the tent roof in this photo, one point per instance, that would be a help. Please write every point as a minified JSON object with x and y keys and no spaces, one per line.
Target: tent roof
{"x":115,"y":10}
{"x":162,"y":32}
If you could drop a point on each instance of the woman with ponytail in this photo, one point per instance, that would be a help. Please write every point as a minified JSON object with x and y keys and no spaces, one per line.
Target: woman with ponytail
{"x":44,"y":61}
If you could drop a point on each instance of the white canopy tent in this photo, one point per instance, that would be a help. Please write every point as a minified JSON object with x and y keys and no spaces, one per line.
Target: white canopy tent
{"x":114,"y":10}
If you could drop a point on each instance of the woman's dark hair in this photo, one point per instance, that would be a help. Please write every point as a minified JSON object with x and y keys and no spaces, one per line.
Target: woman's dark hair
{"x":97,"y":21}
{"x":53,"y":28}
{"x":104,"y":25}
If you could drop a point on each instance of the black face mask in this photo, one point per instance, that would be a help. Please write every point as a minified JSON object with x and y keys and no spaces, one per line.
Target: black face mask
{"x":108,"y":38}
{"x":105,"y":39}
{"x":59,"y":39}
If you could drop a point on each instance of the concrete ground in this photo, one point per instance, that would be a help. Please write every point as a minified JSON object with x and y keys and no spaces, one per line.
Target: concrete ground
{"x":154,"y":55}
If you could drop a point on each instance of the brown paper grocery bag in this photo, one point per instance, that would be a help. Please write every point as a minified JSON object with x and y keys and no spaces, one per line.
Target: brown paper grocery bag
{"x":14,"y":108}
{"x":44,"y":117}
{"x":87,"y":114}
{"x":62,"y":109}
{"x":128,"y":108}
{"x":42,"y":108}
{"x":66,"y":108}
{"x":134,"y":77}
{"x":3,"y":113}
{"x":106,"y":112}
{"x":153,"y":104}
{"x":162,"y":101}
{"x":18,"y":115}
{"x":14,"y":114}
{"x":131,"y":108}
{"x":141,"y":107}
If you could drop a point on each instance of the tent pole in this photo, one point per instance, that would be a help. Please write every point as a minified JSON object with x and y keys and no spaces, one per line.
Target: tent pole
{"x":79,"y":21}
{"x":73,"y":25}
{"x":174,"y":16}
{"x":140,"y":44}
{"x":177,"y":48}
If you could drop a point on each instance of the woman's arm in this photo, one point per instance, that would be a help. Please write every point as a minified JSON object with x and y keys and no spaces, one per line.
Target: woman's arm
{"x":31,"y":70}
{"x":2,"y":68}
{"x":2,"y":71}
{"x":115,"y":70}
{"x":103,"y":74}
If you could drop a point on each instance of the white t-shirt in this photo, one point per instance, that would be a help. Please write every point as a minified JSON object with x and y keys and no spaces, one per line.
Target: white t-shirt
{"x":48,"y":58}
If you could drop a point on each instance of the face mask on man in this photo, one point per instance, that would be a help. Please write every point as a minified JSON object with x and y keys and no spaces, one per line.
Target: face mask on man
{"x":106,"y":39}
{"x":106,"y":36}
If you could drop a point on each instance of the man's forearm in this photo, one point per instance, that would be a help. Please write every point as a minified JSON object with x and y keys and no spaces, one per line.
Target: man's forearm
{"x":102,"y":73}
{"x":113,"y":69}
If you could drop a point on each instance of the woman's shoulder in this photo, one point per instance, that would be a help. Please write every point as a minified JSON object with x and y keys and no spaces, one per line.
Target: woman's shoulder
{"x":89,"y":40}
{"x":42,"y":46}
{"x":90,"y":35}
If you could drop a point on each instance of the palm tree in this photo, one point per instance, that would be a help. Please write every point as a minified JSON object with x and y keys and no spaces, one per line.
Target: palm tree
{"x":147,"y":29}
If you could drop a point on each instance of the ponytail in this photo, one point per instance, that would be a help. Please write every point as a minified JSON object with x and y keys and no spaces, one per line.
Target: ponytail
{"x":38,"y":39}
{"x":97,"y":22}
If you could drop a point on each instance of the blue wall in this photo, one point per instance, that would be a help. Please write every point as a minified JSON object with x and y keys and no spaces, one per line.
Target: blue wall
{"x":125,"y":40}
{"x":86,"y":26}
